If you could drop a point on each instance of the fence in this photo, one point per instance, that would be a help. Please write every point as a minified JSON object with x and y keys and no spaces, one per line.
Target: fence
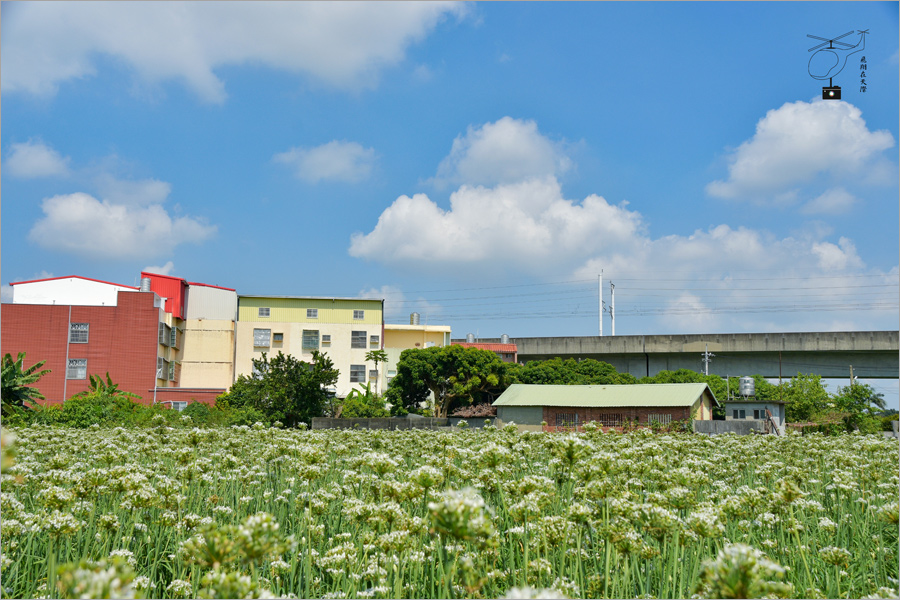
{"x":737,"y":427}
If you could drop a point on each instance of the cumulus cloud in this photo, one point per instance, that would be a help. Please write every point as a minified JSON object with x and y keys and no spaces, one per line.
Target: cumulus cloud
{"x":137,"y":193}
{"x":342,"y":44}
{"x":166,"y":269}
{"x":528,"y":225}
{"x":798,"y":142}
{"x":334,"y":161}
{"x":81,"y":224}
{"x":835,"y":201}
{"x":506,"y":151}
{"x":6,"y":293}
{"x":33,"y":159}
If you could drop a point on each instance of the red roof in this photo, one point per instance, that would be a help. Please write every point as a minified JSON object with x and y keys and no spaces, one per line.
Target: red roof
{"x":211,"y":285}
{"x":491,"y":347}
{"x":75,"y":277}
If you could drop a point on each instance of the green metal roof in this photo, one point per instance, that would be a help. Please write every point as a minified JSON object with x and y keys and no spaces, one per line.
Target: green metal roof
{"x":648,"y":394}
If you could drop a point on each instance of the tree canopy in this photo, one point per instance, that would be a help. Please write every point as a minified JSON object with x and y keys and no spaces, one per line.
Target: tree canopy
{"x":456,"y":376}
{"x":556,"y":371}
{"x":284,"y":389}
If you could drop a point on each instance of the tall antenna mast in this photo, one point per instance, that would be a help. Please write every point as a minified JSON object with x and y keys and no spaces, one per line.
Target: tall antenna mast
{"x":707,"y":358}
{"x":600,"y":307}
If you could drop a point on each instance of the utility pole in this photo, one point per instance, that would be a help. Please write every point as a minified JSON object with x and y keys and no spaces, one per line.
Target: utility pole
{"x":600,"y":307}
{"x":851,"y":376}
{"x":612,"y":306}
{"x":707,"y":358}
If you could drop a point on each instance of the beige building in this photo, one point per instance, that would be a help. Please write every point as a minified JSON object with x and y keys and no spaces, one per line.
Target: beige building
{"x":208,"y":355}
{"x":398,"y":338}
{"x":345,"y":329}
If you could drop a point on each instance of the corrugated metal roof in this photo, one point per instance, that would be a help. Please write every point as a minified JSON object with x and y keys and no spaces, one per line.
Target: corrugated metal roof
{"x":649,"y":394}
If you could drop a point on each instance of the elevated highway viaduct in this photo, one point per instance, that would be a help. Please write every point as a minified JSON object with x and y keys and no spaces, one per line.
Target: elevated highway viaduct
{"x":873,"y":354}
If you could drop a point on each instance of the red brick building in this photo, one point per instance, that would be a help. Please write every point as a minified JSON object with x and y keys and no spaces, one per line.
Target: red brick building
{"x":97,"y":328}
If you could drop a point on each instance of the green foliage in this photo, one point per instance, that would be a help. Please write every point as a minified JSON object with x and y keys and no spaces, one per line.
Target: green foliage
{"x":285,"y":389}
{"x":456,"y":376}
{"x":859,"y":398}
{"x":557,"y":371}
{"x":16,"y":382}
{"x":806,"y":397}
{"x":363,"y":403}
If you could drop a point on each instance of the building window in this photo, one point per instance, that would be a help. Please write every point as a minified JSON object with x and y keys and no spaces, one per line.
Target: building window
{"x":359,"y":315}
{"x":760,"y":414}
{"x":373,"y":373}
{"x":77,"y":368}
{"x":278,"y":338}
{"x":567,"y":420}
{"x":179,"y":405}
{"x":326,"y":339}
{"x":173,"y":338}
{"x":78,"y":333}
{"x":165,"y":334}
{"x":310,"y":339}
{"x":357,"y":373}
{"x":611,"y":420}
{"x":261,"y":338}
{"x":357,"y":339}
{"x":312,"y":313}
{"x":171,"y":371}
{"x":162,"y":369}
{"x":662,"y":419}
{"x":739,"y":414}
{"x":374,"y":340}
{"x":264,"y":312}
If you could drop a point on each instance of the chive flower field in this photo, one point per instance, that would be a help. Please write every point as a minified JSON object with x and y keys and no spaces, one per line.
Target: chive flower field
{"x":254,"y":512}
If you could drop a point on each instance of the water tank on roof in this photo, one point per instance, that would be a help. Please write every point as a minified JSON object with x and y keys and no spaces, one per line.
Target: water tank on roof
{"x":747,"y":387}
{"x":504,"y":339}
{"x":414,"y":319}
{"x":145,"y":284}
{"x":470,"y":338}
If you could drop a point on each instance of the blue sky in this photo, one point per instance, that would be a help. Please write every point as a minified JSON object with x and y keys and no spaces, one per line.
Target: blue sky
{"x":477,"y":163}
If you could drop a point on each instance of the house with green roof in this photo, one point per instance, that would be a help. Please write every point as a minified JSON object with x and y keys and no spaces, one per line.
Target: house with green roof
{"x":566,"y":407}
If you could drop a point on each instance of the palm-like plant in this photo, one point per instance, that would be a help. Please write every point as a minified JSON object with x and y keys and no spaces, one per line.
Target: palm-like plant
{"x":376,"y":356}
{"x":17,"y":381}
{"x":107,"y":388}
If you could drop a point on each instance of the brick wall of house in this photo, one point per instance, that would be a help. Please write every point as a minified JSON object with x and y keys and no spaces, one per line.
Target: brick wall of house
{"x":640,"y":415}
{"x":122,"y":341}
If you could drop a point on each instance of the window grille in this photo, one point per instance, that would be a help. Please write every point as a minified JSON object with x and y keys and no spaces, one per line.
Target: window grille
{"x":357,"y":339}
{"x":277,"y":337}
{"x":171,"y":371}
{"x":359,"y":315}
{"x":310,"y":339}
{"x":374,"y":340}
{"x":611,"y":420}
{"x":78,"y":333}
{"x":567,"y":420}
{"x":77,"y":368}
{"x":357,"y":373}
{"x":261,"y":338}
{"x":662,"y":419}
{"x":326,"y":339}
{"x":264,"y":312}
{"x":373,"y":373}
{"x":312,"y":313}
{"x":179,"y":405}
{"x":173,"y":339}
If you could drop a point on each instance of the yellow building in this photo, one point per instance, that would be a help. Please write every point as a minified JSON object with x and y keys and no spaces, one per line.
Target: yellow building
{"x":398,"y":338}
{"x":345,"y":329}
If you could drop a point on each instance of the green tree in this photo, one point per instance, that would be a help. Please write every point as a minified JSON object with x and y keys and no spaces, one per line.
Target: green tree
{"x":17,"y":380}
{"x":284,"y":389}
{"x":376,"y":356}
{"x":456,"y":376}
{"x":557,"y":371}
{"x":805,"y":396}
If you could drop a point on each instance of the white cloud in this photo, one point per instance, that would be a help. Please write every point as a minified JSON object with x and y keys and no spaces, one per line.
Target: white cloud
{"x":33,"y":159}
{"x":798,"y":142}
{"x":83,"y":225}
{"x":836,"y":201}
{"x":342,"y":44}
{"x":166,"y":269}
{"x":134,"y":193}
{"x":527,"y":225}
{"x":334,"y":161}
{"x":6,"y":293}
{"x":838,"y":257}
{"x":506,"y":151}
